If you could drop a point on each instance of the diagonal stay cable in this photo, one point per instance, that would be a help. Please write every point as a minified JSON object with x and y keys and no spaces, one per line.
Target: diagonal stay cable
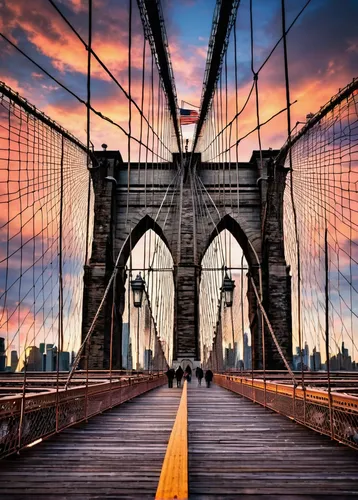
{"x":98,"y":113}
{"x":107,"y":70}
{"x":261,"y":68}
{"x":252,"y":131}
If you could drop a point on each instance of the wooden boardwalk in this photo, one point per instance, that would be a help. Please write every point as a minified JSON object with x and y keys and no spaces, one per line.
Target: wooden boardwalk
{"x":116,"y":455}
{"x":238,"y":448}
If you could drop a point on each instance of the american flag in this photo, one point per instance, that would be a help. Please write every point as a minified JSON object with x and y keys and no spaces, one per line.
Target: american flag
{"x":188,"y":116}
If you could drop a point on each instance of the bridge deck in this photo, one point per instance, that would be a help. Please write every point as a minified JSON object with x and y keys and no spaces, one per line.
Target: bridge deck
{"x":239,"y":448}
{"x":117,"y":454}
{"x":236,"y":448}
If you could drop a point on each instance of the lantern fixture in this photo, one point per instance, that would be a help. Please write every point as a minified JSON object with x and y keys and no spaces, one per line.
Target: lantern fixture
{"x":138,"y":287}
{"x":228,"y":289}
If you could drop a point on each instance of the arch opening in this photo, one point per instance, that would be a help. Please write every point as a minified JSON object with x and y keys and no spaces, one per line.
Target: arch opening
{"x":225,"y":338}
{"x":147,"y":223}
{"x":249,"y":247}
{"x":147,"y":331}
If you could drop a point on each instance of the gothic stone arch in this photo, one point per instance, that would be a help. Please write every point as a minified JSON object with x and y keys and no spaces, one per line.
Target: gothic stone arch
{"x":245,"y":196}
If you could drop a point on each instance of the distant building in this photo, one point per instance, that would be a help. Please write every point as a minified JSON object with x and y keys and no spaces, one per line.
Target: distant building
{"x":346,"y":359}
{"x":315,"y":360}
{"x":226,"y":357}
{"x":14,"y":360}
{"x":2,"y":355}
{"x":236,"y":355}
{"x":64,"y":361}
{"x":130,"y":357}
{"x":34,"y":359}
{"x":51,"y":357}
{"x":125,"y":344}
{"x":306,"y":356}
{"x":337,"y":362}
{"x":247,"y":353}
{"x":229,"y":357}
{"x":148,"y":356}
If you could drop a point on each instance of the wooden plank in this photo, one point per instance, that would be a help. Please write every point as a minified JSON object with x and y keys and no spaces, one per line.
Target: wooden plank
{"x":117,"y":454}
{"x":238,"y":448}
{"x":173,"y":483}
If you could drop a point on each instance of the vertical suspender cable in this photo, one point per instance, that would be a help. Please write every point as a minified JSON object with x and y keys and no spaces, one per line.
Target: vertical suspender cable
{"x":287,"y":85}
{"x":255,"y":77}
{"x":129,"y":291}
{"x":129,"y":102}
{"x":113,"y":318}
{"x":89,"y":49}
{"x":242,"y":306}
{"x":327,"y":331}
{"x":88,"y":121}
{"x":236,"y":124}
{"x":142,"y":107}
{"x":60,"y":286}
{"x":22,"y":410}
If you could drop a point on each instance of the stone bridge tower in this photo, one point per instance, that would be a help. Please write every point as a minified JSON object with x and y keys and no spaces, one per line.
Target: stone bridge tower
{"x":250,"y":209}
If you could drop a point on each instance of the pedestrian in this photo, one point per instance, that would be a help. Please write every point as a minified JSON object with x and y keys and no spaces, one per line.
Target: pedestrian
{"x":179,"y":375}
{"x":199,"y":375}
{"x":208,"y":377}
{"x":170,"y":376}
{"x":188,"y":371}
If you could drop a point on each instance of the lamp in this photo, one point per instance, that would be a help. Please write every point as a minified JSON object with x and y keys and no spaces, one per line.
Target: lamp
{"x":228,"y":289}
{"x":138,"y":287}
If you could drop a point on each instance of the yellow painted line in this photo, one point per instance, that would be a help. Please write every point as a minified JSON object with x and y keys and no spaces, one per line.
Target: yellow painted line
{"x":173,"y":482}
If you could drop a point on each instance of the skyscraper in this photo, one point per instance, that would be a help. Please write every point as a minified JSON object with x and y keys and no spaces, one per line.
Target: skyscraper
{"x":306,"y":356}
{"x":64,"y":360}
{"x":14,"y":359}
{"x":34,"y":359}
{"x":130,"y":357}
{"x":148,"y":355}
{"x":51,"y":357}
{"x":315,"y":360}
{"x":247,"y":352}
{"x":125,"y":345}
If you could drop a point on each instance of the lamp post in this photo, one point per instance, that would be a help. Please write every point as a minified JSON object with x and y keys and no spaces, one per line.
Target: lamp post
{"x":228,"y":289}
{"x":138,"y":287}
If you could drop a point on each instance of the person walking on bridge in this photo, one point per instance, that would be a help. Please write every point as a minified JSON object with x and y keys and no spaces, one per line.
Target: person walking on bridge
{"x":170,"y":373}
{"x":179,"y":375}
{"x":199,"y":374}
{"x":208,"y":377}
{"x":188,"y":372}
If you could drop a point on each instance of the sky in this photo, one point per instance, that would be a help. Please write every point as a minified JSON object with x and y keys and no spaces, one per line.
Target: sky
{"x":322,"y":50}
{"x":322,"y":47}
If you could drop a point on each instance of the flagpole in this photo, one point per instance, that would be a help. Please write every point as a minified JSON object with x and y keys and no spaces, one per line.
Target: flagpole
{"x":192,"y":105}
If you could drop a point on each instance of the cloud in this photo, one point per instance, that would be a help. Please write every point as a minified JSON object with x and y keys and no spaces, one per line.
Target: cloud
{"x":47,"y":32}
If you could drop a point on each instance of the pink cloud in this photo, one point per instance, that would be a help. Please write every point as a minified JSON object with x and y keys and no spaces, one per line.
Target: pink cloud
{"x":67,"y":53}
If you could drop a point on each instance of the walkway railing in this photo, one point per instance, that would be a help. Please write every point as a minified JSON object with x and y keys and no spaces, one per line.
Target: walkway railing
{"x":335,"y":416}
{"x":25,"y":421}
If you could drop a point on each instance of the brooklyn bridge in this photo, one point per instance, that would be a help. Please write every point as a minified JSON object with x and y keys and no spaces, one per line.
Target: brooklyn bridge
{"x":139,"y":235}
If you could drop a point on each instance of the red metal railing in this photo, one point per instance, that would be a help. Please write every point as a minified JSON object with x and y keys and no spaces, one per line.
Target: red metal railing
{"x":36,"y":416}
{"x":337,"y":418}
